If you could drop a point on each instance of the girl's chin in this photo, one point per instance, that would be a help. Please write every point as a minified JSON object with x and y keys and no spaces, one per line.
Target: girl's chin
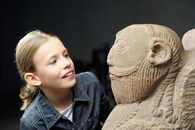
{"x":71,"y":83}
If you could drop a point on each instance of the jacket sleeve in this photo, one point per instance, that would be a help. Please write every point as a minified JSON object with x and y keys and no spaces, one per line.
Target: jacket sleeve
{"x":107,"y":103}
{"x":23,"y":126}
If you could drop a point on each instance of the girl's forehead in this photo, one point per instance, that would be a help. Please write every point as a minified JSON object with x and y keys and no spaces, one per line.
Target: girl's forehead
{"x":52,"y":47}
{"x":54,"y":43}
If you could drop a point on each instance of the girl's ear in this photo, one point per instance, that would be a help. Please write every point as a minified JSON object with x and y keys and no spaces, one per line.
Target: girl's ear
{"x":32,"y":79}
{"x":159,"y":52}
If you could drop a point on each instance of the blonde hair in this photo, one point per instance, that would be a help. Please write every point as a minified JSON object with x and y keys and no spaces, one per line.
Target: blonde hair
{"x":25,"y":52}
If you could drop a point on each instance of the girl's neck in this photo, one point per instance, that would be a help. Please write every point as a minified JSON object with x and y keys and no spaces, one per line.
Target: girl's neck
{"x":60,"y":100}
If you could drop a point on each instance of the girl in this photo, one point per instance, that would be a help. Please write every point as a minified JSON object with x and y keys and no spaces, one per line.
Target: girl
{"x":54,"y":98}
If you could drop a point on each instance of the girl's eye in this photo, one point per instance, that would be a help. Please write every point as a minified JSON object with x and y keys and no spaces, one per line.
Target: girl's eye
{"x":66,"y":55}
{"x":53,"y":62}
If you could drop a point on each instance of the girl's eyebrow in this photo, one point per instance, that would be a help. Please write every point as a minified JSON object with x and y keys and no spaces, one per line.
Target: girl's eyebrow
{"x":55,"y":55}
{"x":51,"y":57}
{"x":65,"y":50}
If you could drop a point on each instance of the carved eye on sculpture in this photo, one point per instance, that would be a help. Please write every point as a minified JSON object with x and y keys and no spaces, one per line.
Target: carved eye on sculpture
{"x":120,"y":45}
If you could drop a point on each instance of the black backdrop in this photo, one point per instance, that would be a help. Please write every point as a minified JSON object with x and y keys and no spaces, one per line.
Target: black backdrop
{"x":86,"y":27}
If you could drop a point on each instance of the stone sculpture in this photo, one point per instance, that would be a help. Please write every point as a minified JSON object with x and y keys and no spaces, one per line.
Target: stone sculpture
{"x":153,"y":79}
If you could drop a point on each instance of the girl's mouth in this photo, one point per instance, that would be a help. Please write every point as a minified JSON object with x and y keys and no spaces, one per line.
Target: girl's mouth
{"x":69,"y":74}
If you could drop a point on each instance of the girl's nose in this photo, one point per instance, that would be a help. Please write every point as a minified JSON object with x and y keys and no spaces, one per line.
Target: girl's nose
{"x":66,"y":63}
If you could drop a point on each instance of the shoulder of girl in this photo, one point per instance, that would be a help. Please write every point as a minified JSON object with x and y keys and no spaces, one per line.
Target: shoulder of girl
{"x":87,"y":77}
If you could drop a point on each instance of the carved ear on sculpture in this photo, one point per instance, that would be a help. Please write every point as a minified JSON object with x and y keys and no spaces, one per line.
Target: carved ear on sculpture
{"x":159,"y":52}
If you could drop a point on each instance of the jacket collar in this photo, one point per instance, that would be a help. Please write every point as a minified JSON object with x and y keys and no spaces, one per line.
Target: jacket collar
{"x":79,"y":93}
{"x":49,"y":114}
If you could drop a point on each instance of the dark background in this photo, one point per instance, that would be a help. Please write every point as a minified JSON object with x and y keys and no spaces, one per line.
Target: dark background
{"x":86,"y":27}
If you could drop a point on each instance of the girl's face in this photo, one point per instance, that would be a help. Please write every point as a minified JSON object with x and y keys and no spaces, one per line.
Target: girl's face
{"x":54,"y":67}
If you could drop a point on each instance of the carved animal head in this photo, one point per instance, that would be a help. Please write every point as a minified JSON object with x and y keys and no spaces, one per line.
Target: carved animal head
{"x":140,"y":58}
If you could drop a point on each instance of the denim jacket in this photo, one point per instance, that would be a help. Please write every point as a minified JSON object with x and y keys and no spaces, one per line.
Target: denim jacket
{"x":91,"y":107}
